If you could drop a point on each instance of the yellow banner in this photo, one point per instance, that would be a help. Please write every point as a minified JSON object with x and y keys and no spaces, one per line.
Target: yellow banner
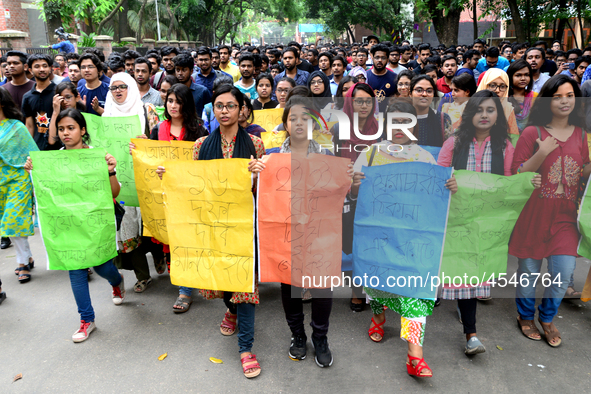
{"x":268,"y":119}
{"x":147,"y":156}
{"x":209,"y":210}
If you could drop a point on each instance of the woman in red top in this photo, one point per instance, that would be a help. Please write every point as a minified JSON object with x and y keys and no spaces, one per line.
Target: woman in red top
{"x":555,"y":145}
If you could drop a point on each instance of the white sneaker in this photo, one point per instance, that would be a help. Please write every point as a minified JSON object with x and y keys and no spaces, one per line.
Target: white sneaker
{"x":119,"y":292}
{"x":84,"y":331}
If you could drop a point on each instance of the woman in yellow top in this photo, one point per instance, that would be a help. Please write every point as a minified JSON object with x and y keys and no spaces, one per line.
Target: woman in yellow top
{"x":497,"y":81}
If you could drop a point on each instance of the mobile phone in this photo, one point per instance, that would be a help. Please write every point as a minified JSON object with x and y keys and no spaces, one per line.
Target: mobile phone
{"x":571,"y":66}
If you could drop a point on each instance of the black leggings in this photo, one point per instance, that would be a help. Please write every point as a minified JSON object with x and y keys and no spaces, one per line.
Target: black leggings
{"x":231,"y":306}
{"x":468,"y":311}
{"x":291,"y":298}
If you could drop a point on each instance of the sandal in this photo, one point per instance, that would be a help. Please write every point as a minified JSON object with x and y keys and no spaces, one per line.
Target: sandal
{"x":160,"y":266}
{"x":357,"y":307}
{"x":551,"y":334}
{"x":306,"y":296}
{"x":376,"y":329}
{"x":416,"y":369}
{"x":2,"y":296}
{"x":572,"y":293}
{"x":529,"y":328}
{"x":250,"y":362}
{"x":229,"y":324}
{"x":184,"y":303}
{"x":28,"y":267}
{"x":141,"y":285}
{"x":23,"y":278}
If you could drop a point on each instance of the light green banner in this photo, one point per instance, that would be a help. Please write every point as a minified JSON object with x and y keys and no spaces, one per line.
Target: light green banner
{"x":75,"y":206}
{"x":114,"y":134}
{"x":482,"y":215}
{"x":584,"y":223}
{"x":160,"y":113}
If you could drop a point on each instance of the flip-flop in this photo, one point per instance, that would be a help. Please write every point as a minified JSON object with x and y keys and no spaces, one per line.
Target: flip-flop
{"x":572,"y":293}
{"x":184,"y":303}
{"x":2,"y":297}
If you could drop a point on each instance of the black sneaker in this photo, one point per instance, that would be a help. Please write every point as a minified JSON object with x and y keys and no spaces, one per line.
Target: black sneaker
{"x":323,"y":354}
{"x":297,"y":349}
{"x":5,"y":243}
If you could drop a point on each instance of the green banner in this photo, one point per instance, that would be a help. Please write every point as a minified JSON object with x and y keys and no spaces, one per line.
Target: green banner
{"x":482,"y":215}
{"x":584,"y":223}
{"x":75,"y":207}
{"x":114,"y":134}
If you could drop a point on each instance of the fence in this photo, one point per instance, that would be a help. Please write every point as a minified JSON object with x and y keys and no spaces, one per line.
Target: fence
{"x":4,"y":50}
{"x":48,"y":51}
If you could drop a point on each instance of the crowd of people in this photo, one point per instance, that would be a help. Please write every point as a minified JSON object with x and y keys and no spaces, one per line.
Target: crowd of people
{"x":469,"y":100}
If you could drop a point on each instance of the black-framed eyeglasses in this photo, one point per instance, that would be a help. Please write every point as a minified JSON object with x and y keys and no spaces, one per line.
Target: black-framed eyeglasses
{"x":118,"y":87}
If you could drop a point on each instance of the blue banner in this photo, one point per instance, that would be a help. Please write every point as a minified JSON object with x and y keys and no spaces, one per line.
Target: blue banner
{"x":400,"y":226}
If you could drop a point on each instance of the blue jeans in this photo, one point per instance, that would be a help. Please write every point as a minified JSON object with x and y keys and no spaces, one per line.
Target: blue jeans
{"x":560,"y":268}
{"x":79,"y":282}
{"x":245,"y":325}
{"x":186,"y":291}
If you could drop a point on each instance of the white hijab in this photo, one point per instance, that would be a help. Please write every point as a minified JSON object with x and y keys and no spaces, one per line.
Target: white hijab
{"x":132,"y":105}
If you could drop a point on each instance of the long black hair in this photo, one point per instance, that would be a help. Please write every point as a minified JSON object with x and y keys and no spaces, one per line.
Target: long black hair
{"x":513,"y":68}
{"x":191,"y":122}
{"x":78,"y":118}
{"x":541,"y":114}
{"x":9,"y":108}
{"x":339,"y":102}
{"x":466,"y":132}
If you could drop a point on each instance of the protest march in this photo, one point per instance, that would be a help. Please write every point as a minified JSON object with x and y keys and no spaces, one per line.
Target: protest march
{"x":405,"y":174}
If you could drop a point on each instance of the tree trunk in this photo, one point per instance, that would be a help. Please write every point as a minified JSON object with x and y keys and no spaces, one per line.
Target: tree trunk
{"x":138,"y":34}
{"x":351,"y":35}
{"x":475,"y":19}
{"x":517,"y":21}
{"x":446,"y":24}
{"x":53,"y":18}
{"x":561,"y":22}
{"x":124,"y":30}
{"x":109,"y":17}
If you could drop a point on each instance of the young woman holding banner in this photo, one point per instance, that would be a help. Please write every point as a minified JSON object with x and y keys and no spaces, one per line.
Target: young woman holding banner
{"x":555,"y":144}
{"x":16,"y":204}
{"x":226,"y":142}
{"x":181,"y":124}
{"x":295,"y":121}
{"x":480,"y":144}
{"x":124,"y":99}
{"x":413,"y":311}
{"x":71,"y":128}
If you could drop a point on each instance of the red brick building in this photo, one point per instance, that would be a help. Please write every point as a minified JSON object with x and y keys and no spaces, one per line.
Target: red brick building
{"x":23,"y":16}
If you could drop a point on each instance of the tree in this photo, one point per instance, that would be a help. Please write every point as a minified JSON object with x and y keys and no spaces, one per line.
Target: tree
{"x":53,"y":17}
{"x":445,"y":15}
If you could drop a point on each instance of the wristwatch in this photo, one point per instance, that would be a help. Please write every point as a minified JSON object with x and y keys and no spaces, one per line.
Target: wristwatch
{"x":113,"y":173}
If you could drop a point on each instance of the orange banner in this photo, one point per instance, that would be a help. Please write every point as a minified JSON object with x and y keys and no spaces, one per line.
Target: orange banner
{"x":300,"y":218}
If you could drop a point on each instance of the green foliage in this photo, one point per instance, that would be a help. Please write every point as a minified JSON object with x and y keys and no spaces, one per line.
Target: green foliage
{"x":120,"y":44}
{"x":87,"y":40}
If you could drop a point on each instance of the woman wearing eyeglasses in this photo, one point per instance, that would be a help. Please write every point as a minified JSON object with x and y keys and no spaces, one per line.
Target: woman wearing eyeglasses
{"x":432,"y":126}
{"x":229,"y":141}
{"x":403,"y":83}
{"x":124,"y":99}
{"x":497,"y":81}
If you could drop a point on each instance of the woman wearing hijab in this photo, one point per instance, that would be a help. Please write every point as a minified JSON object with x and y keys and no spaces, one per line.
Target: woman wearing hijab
{"x":124,"y":99}
{"x":319,"y":85}
{"x":497,"y":81}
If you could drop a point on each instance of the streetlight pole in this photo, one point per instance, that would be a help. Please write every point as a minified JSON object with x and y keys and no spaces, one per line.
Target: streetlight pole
{"x":158,"y":21}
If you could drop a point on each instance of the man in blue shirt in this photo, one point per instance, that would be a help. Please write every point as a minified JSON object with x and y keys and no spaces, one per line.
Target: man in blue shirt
{"x":492,"y":59}
{"x":93,"y":91}
{"x":289,"y":59}
{"x":64,"y":45}
{"x":206,"y":75}
{"x":183,"y":68}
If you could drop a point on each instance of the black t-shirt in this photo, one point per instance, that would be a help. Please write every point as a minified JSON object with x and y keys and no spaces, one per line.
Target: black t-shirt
{"x":549,"y":67}
{"x":384,"y":86}
{"x":17,"y":92}
{"x":39,"y":106}
{"x":256,"y":104}
{"x":306,"y":66}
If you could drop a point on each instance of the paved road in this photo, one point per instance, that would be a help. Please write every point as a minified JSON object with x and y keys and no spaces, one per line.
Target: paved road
{"x":38,"y":319}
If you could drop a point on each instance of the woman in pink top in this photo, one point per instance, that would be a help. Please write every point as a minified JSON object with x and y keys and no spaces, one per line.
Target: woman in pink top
{"x":480,"y":144}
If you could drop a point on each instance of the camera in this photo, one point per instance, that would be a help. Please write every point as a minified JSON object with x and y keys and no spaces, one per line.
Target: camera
{"x":61,"y":33}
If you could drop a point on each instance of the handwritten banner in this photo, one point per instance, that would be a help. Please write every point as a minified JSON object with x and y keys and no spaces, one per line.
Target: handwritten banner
{"x":147,"y":156}
{"x":75,"y":207}
{"x":482,"y":215}
{"x":300,"y":218}
{"x":584,"y":224}
{"x":268,"y":119}
{"x":113,"y":134}
{"x":400,"y":226}
{"x":209,"y":211}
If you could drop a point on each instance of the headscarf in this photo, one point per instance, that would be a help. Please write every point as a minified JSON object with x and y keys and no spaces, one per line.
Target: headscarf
{"x":370,"y":128}
{"x":15,"y":143}
{"x":492,"y":74}
{"x":325,"y":97}
{"x":132,"y":105}
{"x":358,"y":71}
